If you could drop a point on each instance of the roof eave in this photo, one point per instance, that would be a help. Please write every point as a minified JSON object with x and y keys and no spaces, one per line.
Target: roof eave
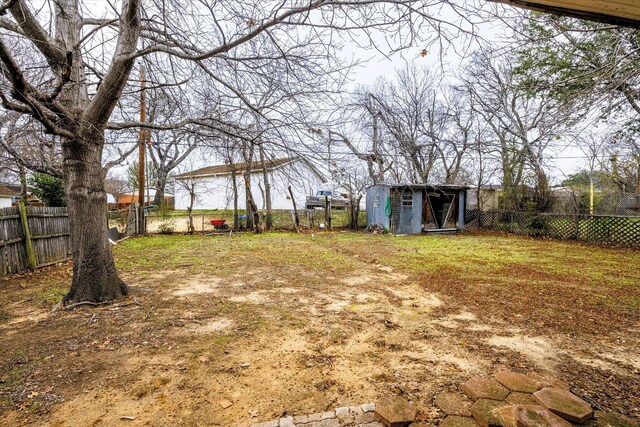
{"x":626,"y":17}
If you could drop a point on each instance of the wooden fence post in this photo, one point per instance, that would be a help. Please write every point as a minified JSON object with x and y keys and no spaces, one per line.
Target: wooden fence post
{"x":327,"y":213}
{"x":31,"y":255}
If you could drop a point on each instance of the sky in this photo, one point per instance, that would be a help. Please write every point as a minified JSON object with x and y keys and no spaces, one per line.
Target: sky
{"x":566,"y":158}
{"x":449,"y":63}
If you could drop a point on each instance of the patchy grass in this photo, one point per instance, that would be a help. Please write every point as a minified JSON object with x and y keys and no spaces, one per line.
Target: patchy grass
{"x":298,"y":323}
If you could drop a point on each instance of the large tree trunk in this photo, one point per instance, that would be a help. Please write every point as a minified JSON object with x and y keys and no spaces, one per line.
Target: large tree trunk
{"x":94,"y":273}
{"x":161,"y":184}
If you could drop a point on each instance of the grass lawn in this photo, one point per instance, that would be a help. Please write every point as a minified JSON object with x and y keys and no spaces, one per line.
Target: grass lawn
{"x":286,"y":323}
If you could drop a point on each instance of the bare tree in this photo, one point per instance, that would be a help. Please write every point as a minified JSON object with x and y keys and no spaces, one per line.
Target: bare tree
{"x":79,"y":87}
{"x":168,"y":148}
{"x":191,"y":184}
{"x":413,"y":117}
{"x":523,"y":125}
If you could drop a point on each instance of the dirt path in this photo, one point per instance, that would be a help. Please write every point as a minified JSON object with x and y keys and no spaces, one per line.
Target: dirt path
{"x":294,"y":324}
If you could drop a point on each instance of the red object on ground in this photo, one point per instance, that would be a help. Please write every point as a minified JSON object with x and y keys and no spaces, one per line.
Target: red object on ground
{"x":217,"y":222}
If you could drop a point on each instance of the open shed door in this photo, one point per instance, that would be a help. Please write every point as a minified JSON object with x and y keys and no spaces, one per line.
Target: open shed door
{"x":440,"y":211}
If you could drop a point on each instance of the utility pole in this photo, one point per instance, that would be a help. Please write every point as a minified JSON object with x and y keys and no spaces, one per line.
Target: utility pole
{"x":141,"y":153}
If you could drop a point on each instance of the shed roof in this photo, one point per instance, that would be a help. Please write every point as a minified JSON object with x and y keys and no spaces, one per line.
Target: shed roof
{"x":236,"y":167}
{"x":418,"y":186}
{"x":618,"y":12}
{"x":7,"y":192}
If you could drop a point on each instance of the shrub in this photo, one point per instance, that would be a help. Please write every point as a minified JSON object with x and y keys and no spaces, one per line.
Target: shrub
{"x":166,"y":228}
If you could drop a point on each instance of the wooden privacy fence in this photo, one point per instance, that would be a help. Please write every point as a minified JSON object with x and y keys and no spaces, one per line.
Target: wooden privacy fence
{"x":607,"y":229}
{"x":33,"y":237}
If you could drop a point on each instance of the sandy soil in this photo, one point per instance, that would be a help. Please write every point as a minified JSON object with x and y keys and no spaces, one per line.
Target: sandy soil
{"x":254,"y":339}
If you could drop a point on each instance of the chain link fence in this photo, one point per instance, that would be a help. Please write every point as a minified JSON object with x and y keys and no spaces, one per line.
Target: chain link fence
{"x":603,"y":229}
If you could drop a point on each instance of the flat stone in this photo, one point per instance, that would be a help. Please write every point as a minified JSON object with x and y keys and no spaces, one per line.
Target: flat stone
{"x":485,"y":411}
{"x":272,"y":423}
{"x":353,"y":414}
{"x":530,"y":416}
{"x":301,"y":419}
{"x":365,"y":417}
{"x":565,"y":404}
{"x":395,"y":412}
{"x":286,"y":422}
{"x":515,"y":381}
{"x":453,"y":404}
{"x":457,"y":421}
{"x":518,"y":398}
{"x":321,"y":416}
{"x":548,"y":381}
{"x":368,"y":407}
{"x":611,"y":419}
{"x":225,"y":403}
{"x":484,"y":388}
{"x":331,"y":422}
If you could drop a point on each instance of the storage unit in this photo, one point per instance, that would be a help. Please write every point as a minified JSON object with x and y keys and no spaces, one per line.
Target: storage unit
{"x":416,"y":208}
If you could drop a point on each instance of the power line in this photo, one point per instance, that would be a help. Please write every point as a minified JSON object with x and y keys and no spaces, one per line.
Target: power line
{"x":349,"y":153}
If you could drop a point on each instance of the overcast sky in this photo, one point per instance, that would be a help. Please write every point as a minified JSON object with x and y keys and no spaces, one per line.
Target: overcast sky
{"x":448,"y":63}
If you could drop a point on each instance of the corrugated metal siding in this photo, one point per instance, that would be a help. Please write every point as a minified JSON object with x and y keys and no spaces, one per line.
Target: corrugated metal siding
{"x":375,"y":214}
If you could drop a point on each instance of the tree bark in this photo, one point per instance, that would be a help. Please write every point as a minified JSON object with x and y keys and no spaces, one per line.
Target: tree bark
{"x":24,"y":191}
{"x":94,"y":272}
{"x":267,"y":190}
{"x":253,"y":217}
{"x":234,"y":185}
{"x":247,"y":194}
{"x":192,"y":198}
{"x":161,"y":183}
{"x":296,"y":218}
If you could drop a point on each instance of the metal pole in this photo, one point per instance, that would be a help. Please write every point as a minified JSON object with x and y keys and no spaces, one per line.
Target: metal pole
{"x":591,"y":197}
{"x":141,"y":153}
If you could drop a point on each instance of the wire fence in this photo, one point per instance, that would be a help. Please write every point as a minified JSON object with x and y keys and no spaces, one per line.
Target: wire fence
{"x":602,"y":229}
{"x":178,"y":221}
{"x":603,"y":203}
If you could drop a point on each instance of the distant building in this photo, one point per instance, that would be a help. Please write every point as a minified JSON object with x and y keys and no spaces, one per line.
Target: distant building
{"x":123,"y":200}
{"x":213,"y":185}
{"x":484,"y":198}
{"x":7,"y":196}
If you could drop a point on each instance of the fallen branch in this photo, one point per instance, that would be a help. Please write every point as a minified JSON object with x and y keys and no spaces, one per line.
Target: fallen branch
{"x":91,"y":303}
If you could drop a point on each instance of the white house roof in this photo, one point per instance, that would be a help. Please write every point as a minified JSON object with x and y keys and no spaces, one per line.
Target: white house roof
{"x":255,"y":167}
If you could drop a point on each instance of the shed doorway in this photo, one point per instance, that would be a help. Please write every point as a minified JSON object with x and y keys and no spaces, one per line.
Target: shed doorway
{"x":440,"y":211}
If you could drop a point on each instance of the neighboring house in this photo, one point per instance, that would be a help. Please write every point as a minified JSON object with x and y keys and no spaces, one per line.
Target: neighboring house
{"x":488,"y":195}
{"x":7,"y":196}
{"x":416,"y":208}
{"x":123,"y":200}
{"x":214,"y":188}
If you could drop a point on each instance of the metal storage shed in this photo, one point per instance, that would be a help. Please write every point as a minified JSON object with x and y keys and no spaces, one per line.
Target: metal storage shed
{"x":416,"y":208}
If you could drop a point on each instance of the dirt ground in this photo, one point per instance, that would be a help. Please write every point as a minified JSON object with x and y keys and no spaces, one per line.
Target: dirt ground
{"x":232,"y":330}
